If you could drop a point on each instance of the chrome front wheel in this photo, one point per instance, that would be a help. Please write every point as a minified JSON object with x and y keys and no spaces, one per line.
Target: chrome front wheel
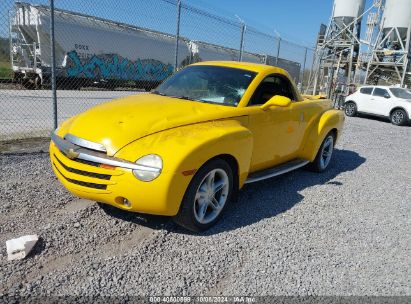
{"x":208,"y":194}
{"x":211,"y":196}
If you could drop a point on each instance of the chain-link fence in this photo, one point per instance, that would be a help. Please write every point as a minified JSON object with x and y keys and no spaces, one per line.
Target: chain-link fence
{"x":107,"y":49}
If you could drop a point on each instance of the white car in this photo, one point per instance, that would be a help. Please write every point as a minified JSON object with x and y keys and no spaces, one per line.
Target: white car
{"x":391,"y":102}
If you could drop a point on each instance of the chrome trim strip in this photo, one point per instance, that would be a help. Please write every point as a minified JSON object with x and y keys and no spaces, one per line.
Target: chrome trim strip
{"x":85,"y":143}
{"x":75,"y":151}
{"x":285,"y":170}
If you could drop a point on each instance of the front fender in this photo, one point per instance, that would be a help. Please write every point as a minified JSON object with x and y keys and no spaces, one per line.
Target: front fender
{"x":186,"y":149}
{"x":329,"y":120}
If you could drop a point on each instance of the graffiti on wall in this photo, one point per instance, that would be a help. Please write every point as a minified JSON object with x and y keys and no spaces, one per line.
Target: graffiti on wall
{"x":112,"y":66}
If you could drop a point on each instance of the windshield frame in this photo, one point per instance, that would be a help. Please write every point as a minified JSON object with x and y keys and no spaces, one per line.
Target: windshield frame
{"x":252,"y":75}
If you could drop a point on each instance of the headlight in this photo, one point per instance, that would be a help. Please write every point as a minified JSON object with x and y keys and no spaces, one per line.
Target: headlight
{"x":151,"y":160}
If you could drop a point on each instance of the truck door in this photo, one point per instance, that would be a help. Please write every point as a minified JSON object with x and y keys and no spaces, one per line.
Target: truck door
{"x":276,"y":135}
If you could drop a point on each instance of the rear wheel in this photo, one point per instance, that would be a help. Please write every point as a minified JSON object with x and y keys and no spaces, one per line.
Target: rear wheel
{"x":324,"y":154}
{"x":37,"y":82}
{"x":28,"y":83}
{"x":350,"y":109}
{"x":208,"y":194}
{"x":399,"y":117}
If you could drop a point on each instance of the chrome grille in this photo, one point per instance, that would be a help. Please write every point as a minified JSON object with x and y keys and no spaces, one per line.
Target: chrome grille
{"x":81,"y":172}
{"x":81,"y":183}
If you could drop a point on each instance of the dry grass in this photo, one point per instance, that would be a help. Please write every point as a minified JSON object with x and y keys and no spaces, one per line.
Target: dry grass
{"x":5,"y":70}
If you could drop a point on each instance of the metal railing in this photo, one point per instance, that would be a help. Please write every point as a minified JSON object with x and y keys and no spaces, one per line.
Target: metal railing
{"x":57,"y":61}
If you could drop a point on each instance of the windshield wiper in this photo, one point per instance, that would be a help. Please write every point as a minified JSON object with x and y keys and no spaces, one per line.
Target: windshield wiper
{"x":185,"y":98}
{"x":172,"y":96}
{"x":158,"y":93}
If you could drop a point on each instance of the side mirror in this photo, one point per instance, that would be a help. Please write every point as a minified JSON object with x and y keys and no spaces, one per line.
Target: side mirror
{"x":276,"y":101}
{"x":387,"y":96}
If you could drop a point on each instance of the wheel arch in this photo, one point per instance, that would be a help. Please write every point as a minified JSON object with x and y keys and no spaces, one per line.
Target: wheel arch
{"x":330,"y":121}
{"x":233,"y":147}
{"x":400,"y":108}
{"x":232,"y":161}
{"x":335,"y":132}
{"x":201,"y":154}
{"x":348,"y":101}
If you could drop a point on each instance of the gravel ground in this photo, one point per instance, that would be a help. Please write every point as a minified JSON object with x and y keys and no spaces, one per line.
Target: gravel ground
{"x":343,"y":232}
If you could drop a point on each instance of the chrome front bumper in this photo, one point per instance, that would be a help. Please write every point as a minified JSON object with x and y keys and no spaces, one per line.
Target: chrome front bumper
{"x":73,"y":151}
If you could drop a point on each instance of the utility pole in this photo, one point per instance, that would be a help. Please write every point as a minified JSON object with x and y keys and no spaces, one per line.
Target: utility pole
{"x":177,"y":34}
{"x":53,"y":66}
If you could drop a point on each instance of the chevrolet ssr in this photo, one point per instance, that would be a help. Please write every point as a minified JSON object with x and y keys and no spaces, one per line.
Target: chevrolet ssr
{"x":185,"y":149}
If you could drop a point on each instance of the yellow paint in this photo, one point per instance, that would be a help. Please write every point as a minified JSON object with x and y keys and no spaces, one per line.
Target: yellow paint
{"x":276,"y":101}
{"x":186,"y":135}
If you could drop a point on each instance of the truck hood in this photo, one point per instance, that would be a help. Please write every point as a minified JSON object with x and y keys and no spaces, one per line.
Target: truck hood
{"x":119,"y":122}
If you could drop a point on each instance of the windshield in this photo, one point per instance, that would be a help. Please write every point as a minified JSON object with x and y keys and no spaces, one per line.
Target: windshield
{"x":401,"y":93}
{"x":211,"y":84}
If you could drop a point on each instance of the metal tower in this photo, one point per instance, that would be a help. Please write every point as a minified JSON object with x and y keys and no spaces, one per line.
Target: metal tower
{"x":337,"y":54}
{"x":389,"y":56}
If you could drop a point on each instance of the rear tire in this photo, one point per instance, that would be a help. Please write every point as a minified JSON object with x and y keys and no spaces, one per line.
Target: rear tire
{"x":28,"y":83}
{"x":207,"y":196}
{"x":350,"y":109}
{"x":398,"y":117}
{"x":37,"y":83}
{"x":324,"y":154}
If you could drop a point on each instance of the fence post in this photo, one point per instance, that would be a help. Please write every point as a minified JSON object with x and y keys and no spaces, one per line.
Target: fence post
{"x":53,"y":65}
{"x":278,"y":50}
{"x":305,"y":61}
{"x":242,"y":41}
{"x":10,"y":39}
{"x":177,"y":34}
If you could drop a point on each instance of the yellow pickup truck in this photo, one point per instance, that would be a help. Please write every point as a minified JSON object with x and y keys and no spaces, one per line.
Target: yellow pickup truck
{"x":186,"y":148}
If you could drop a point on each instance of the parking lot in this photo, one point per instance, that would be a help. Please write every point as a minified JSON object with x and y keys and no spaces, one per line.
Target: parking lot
{"x":25,"y":113}
{"x":342,"y":232}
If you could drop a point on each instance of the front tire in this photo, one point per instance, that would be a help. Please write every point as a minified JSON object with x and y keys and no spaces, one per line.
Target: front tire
{"x":398,"y":117}
{"x":324,"y":154}
{"x":350,"y":109}
{"x":207,"y":196}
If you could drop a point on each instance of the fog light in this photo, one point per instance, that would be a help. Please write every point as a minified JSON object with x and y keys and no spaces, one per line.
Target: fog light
{"x":126,"y":202}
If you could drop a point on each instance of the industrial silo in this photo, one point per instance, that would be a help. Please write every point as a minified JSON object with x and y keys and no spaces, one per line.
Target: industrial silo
{"x":389,"y":59}
{"x":338,"y":53}
{"x":397,"y":16}
{"x":345,"y":11}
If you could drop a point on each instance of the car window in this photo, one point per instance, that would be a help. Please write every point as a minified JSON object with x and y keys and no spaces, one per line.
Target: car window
{"x":380,"y":92}
{"x":271,"y":86}
{"x":367,"y":91}
{"x":210,"y":84}
{"x":401,"y":93}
